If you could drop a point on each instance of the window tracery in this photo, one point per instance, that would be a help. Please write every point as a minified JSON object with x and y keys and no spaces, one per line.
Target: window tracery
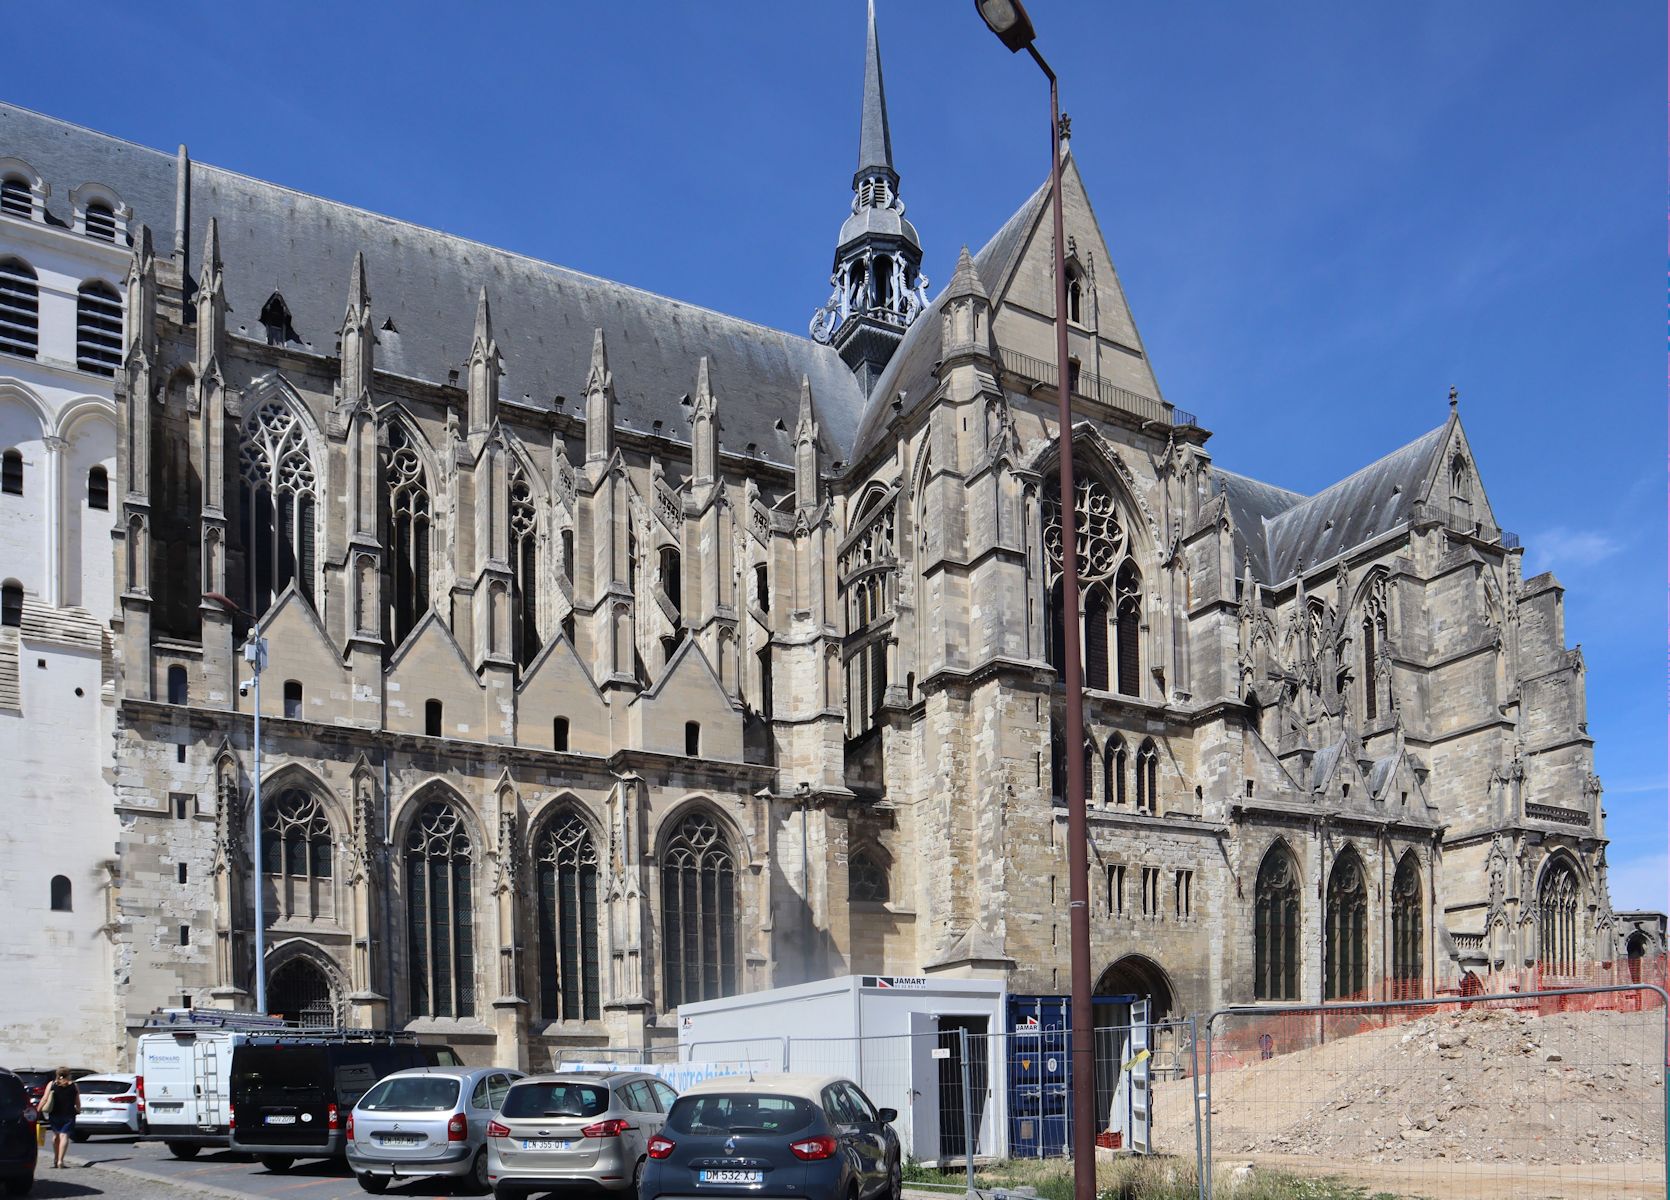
{"x":1345,"y":952}
{"x":296,"y":850}
{"x":866,"y":879}
{"x":1276,"y":927}
{"x":1110,"y":583}
{"x":566,"y":876}
{"x":410,"y":527}
{"x":1406,"y":928}
{"x":1558,"y":900}
{"x":524,"y":564}
{"x":279,"y":505}
{"x":698,"y":909}
{"x":440,"y":935}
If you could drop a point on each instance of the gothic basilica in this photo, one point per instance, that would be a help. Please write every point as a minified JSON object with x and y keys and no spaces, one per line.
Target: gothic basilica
{"x":622,"y":653}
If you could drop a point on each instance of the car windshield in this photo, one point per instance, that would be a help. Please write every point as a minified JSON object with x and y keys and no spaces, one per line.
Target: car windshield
{"x":412,"y":1093}
{"x":282,"y":1066}
{"x":103,"y":1087}
{"x":12,"y":1098}
{"x":739,"y":1113}
{"x":556,"y":1099}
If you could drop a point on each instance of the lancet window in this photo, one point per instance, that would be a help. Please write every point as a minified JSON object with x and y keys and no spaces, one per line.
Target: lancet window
{"x":698,"y":911}
{"x":1276,"y":928}
{"x":1110,"y":583}
{"x":1345,"y":949}
{"x":279,"y":495}
{"x":410,"y":525}
{"x":1374,"y":647}
{"x":1406,"y":928}
{"x":296,"y":852}
{"x":524,"y":565}
{"x":868,"y":573}
{"x":566,"y":876}
{"x":439,"y":910}
{"x":1557,"y":904}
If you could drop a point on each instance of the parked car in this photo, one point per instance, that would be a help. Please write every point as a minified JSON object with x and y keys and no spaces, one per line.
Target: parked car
{"x":426,"y":1121}
{"x":17,"y":1135}
{"x":35,"y":1079}
{"x":292,"y":1094}
{"x":109,"y":1104}
{"x":554,"y":1131}
{"x":799,"y":1136}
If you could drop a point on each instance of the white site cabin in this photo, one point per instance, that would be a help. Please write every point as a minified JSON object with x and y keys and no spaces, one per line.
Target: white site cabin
{"x":900,"y":1038}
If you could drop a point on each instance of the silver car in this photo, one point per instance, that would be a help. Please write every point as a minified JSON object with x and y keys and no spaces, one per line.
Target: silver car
{"x":592,"y":1128}
{"x":426,"y":1121}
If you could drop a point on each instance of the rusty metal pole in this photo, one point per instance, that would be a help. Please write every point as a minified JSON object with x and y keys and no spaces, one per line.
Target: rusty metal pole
{"x":1078,"y":857}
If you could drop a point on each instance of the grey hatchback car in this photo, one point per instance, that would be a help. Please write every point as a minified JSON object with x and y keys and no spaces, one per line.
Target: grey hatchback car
{"x":426,"y":1121}
{"x":588,"y":1128}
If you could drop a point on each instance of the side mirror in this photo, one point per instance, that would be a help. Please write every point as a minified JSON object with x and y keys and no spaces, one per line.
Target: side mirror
{"x":887,"y":1115}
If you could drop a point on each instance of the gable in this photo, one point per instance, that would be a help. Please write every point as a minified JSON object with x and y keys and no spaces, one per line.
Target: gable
{"x":558,"y":685}
{"x":688,"y":690}
{"x":431,"y":666}
{"x":298,"y":649}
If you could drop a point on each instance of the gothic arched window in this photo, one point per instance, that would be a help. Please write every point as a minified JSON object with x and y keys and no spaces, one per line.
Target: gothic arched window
{"x":279,"y":505}
{"x":1148,"y":776}
{"x":439,"y":914}
{"x":524,"y":565}
{"x":1406,"y":928}
{"x":1374,"y":645}
{"x":1058,"y":765}
{"x":1075,"y":298}
{"x":566,"y":875}
{"x":1276,"y":927}
{"x":410,"y":525}
{"x":20,"y":308}
{"x":866,"y":879}
{"x":296,"y":852}
{"x":698,"y":913}
{"x":1557,"y":904}
{"x":1345,"y":949}
{"x":1117,"y":762}
{"x":98,"y":328}
{"x":1109,"y":582}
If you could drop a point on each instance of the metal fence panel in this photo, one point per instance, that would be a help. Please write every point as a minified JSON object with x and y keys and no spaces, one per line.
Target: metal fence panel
{"x":1526,"y":1094}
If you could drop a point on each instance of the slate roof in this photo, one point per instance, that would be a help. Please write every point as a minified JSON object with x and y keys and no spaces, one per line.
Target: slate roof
{"x":911,"y":369}
{"x":426,"y":283}
{"x":1278,"y":529}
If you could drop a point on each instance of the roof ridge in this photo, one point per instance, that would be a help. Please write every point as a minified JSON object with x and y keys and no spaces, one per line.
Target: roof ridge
{"x":80,"y":128}
{"x":1275,"y":487}
{"x":515,"y":254}
{"x":1362,"y":470}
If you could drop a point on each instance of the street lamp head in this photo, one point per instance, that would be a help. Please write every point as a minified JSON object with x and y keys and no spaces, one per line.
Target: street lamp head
{"x":1007,"y":19}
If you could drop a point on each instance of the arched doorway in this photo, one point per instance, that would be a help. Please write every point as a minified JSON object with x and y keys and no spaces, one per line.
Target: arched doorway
{"x":1135,"y":975}
{"x":1132,"y":975}
{"x":1634,"y":951}
{"x":301,"y":991}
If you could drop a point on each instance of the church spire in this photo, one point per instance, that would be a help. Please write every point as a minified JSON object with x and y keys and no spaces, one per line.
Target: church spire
{"x":875,"y":143}
{"x":877,"y":287}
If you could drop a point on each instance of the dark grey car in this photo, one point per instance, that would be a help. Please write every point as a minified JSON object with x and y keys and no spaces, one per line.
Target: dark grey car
{"x":806,"y":1137}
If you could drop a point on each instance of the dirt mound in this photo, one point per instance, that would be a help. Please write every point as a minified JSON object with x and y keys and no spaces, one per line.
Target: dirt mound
{"x":1488,"y":1085}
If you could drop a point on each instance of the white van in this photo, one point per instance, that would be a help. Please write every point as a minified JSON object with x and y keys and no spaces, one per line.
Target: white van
{"x":184,"y":1069}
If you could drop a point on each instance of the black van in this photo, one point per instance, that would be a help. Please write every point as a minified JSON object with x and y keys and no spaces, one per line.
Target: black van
{"x":292,"y":1093}
{"x":17,"y":1135}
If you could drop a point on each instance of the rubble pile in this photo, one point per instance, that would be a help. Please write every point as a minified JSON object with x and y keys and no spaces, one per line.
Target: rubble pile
{"x":1481,"y":1086}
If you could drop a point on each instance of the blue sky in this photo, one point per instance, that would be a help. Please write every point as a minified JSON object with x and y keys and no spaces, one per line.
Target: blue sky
{"x":1324,"y":214}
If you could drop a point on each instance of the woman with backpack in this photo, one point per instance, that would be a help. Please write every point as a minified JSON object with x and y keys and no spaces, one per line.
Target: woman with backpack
{"x":58,"y":1109}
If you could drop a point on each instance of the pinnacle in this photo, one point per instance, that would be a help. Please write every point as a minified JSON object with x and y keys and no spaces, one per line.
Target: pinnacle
{"x":965,"y":281}
{"x":211,"y":246}
{"x":599,"y":372}
{"x":359,"y":294}
{"x":704,"y":383}
{"x":483,"y":319}
{"x":808,"y":415}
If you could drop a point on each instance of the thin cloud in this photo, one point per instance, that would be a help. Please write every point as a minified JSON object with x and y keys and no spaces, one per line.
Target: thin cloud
{"x":1576,"y":549}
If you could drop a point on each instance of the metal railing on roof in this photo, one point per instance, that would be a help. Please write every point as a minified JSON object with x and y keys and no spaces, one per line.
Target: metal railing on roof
{"x":1090,"y":386}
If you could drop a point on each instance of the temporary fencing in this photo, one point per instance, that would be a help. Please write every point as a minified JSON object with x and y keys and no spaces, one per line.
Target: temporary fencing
{"x":1511,"y":1094}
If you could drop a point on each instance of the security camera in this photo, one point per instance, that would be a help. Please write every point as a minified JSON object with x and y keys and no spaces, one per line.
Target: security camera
{"x":243,"y":688}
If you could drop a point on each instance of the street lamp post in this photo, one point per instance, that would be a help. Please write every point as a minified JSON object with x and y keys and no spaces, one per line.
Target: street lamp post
{"x":1008,"y":20}
{"x":255,"y":654}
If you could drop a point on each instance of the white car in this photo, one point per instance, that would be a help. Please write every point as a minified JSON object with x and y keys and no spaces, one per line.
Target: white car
{"x":109,"y":1104}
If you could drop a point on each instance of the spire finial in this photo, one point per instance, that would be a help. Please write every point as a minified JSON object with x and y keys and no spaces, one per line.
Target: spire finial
{"x":211,"y":246}
{"x":1454,"y":397}
{"x":483,"y":319}
{"x":875,"y":142}
{"x":359,"y":295}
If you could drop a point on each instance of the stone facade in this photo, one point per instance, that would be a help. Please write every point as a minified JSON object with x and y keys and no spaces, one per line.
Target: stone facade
{"x":622,"y":653}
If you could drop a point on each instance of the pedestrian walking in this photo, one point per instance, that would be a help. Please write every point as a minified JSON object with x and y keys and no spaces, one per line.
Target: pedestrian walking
{"x":59,"y":1107}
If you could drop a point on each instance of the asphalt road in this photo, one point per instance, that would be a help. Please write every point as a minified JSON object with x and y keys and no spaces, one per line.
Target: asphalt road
{"x":127,"y":1170}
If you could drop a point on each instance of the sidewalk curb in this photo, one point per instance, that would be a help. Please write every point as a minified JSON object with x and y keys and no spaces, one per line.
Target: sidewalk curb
{"x":179,"y":1185}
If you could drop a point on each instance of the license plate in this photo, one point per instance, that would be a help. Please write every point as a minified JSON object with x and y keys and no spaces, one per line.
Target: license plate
{"x":539,"y":1145}
{"x":728,"y":1176}
{"x":277,"y":1120}
{"x":400,"y":1139}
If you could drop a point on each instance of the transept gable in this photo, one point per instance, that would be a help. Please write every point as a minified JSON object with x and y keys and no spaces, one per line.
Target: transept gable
{"x":1453,"y":483}
{"x":556,"y":685}
{"x":301,"y":650}
{"x":688,"y":692}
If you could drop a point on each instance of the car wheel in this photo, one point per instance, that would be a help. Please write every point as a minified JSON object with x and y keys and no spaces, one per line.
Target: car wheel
{"x":79,"y":1136}
{"x":638,"y":1178}
{"x":20,"y":1187}
{"x":183,"y":1149}
{"x":277,"y":1163}
{"x":480,"y":1185}
{"x":896,"y":1181}
{"x":375,"y":1184}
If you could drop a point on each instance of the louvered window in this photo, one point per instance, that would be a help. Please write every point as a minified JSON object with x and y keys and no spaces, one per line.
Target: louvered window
{"x":98,"y":328}
{"x":568,"y":921}
{"x":101,"y":222}
{"x":16,"y":198}
{"x":20,"y":308}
